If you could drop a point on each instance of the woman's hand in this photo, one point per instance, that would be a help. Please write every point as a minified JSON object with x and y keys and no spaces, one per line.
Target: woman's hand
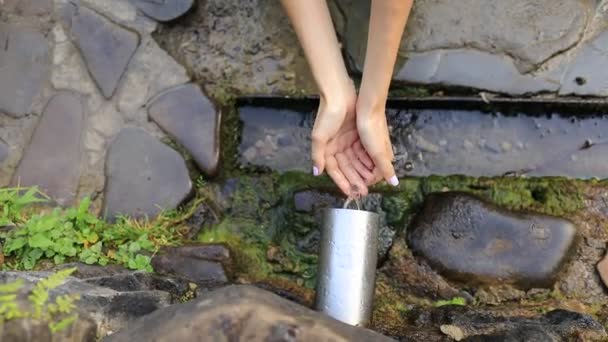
{"x":336,"y":146}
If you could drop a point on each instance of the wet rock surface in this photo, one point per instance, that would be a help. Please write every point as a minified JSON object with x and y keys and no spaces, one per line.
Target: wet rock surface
{"x":188,"y":116}
{"x":474,"y":242}
{"x":205,"y":265}
{"x":106,"y":47}
{"x":143,"y":176}
{"x":241,"y":312}
{"x":443,"y":141}
{"x":25,"y":61}
{"x":468,"y":324}
{"x":4,"y":150}
{"x":28,"y":7}
{"x":52,"y":161}
{"x":587,"y":74}
{"x":26,"y":330}
{"x":164,"y":10}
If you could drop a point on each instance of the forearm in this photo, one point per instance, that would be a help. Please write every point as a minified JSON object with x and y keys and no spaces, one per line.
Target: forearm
{"x":312,"y":23}
{"x":387,"y":22}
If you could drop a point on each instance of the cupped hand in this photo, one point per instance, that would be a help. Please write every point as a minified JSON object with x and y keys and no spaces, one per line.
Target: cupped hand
{"x":375,"y":138}
{"x":336,"y":147}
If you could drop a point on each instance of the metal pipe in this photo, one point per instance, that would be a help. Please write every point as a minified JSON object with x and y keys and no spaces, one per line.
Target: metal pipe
{"x":347,"y":265}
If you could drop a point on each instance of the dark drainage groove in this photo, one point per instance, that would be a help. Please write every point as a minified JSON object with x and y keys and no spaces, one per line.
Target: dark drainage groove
{"x":447,"y":136}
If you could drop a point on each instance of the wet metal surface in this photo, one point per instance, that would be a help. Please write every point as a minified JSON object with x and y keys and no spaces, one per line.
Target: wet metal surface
{"x":461,"y":138}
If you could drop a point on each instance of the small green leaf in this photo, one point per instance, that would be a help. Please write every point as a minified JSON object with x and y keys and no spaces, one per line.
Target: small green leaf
{"x":11,"y":287}
{"x":40,"y":240}
{"x":64,"y":323}
{"x":14,"y":244}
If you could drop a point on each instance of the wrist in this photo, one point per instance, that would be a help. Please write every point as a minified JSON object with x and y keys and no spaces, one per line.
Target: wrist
{"x":371,"y":104}
{"x":342,"y":96}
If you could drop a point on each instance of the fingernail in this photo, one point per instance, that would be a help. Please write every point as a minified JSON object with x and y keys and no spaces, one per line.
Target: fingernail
{"x":394,"y":181}
{"x":315,"y":171}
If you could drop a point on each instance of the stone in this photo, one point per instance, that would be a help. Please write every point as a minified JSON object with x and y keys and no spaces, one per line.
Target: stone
{"x":529,"y":31}
{"x":588,"y":72}
{"x":110,"y":309}
{"x":4,"y":150}
{"x":602,"y":269}
{"x":25,"y":61}
{"x":241,"y":313}
{"x":164,"y":10}
{"x":143,"y":176}
{"x":471,"y":68}
{"x":190,"y":118}
{"x":84,"y":271}
{"x":106,"y":47}
{"x":151,"y":71}
{"x":52,"y":160}
{"x":83,"y":329}
{"x":248,"y":48}
{"x":479,"y":324}
{"x":200,"y":264}
{"x":470,"y":240}
{"x":28,"y":8}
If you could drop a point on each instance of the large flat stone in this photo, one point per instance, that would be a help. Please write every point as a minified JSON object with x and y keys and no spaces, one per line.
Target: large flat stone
{"x":201,"y":264}
{"x":164,"y":10}
{"x":52,"y":159}
{"x":190,"y":118}
{"x":241,"y":313}
{"x":588,"y":72}
{"x":143,"y":176}
{"x":3,"y":151}
{"x":28,"y":7}
{"x":472,"y":241}
{"x":473,"y":69}
{"x":25,"y":61}
{"x":529,"y":31}
{"x":106,"y":47}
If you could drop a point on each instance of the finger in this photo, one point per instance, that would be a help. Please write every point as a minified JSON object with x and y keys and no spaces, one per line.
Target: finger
{"x":358,"y":186}
{"x":333,"y":170}
{"x":319,"y":143}
{"x":363,"y":156}
{"x":383,"y":161}
{"x":363,"y":171}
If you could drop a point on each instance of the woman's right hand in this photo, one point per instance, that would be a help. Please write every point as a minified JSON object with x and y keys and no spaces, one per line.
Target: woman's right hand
{"x":375,"y":138}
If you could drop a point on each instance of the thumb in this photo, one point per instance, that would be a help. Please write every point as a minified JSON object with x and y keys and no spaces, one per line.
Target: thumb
{"x":319,"y":142}
{"x":385,"y":166}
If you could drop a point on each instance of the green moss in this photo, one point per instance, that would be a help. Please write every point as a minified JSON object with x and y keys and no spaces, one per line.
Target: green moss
{"x":408,"y":91}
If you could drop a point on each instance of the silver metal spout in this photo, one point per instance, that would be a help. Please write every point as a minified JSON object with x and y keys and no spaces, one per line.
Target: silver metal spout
{"x":347,"y":265}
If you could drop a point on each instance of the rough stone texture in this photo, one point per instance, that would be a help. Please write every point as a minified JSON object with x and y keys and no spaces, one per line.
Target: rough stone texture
{"x":143,"y":176}
{"x":469,"y":324}
{"x":602,"y":268}
{"x":105,"y":46}
{"x":474,"y":242}
{"x":240,"y":47}
{"x":588,"y":72}
{"x":28,"y":7}
{"x":241,"y":313}
{"x":189,"y":117}
{"x":530,"y":31}
{"x":164,"y":10}
{"x":474,"y":69}
{"x":24,"y":67}
{"x":3,"y":151}
{"x":113,"y":302}
{"x":52,"y":159}
{"x":201,"y":264}
{"x":26,"y":330}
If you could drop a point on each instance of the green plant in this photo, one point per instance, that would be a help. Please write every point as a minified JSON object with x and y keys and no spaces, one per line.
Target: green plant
{"x":57,"y":313}
{"x":76,"y":234}
{"x":453,"y":301}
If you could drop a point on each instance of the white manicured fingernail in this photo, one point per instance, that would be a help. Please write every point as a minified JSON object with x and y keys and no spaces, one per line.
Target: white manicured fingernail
{"x":315,"y":171}
{"x":394,"y":181}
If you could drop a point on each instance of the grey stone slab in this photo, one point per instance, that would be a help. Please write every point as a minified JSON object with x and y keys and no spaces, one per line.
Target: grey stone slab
{"x":106,"y":47}
{"x":143,"y":176}
{"x":531,"y":31}
{"x":52,"y":158}
{"x":164,"y":10}
{"x":25,"y":61}
{"x":262,"y":315}
{"x":474,"y":69}
{"x":469,"y":240}
{"x":28,"y":7}
{"x":4,"y":150}
{"x":190,"y":118}
{"x":588,"y":72}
